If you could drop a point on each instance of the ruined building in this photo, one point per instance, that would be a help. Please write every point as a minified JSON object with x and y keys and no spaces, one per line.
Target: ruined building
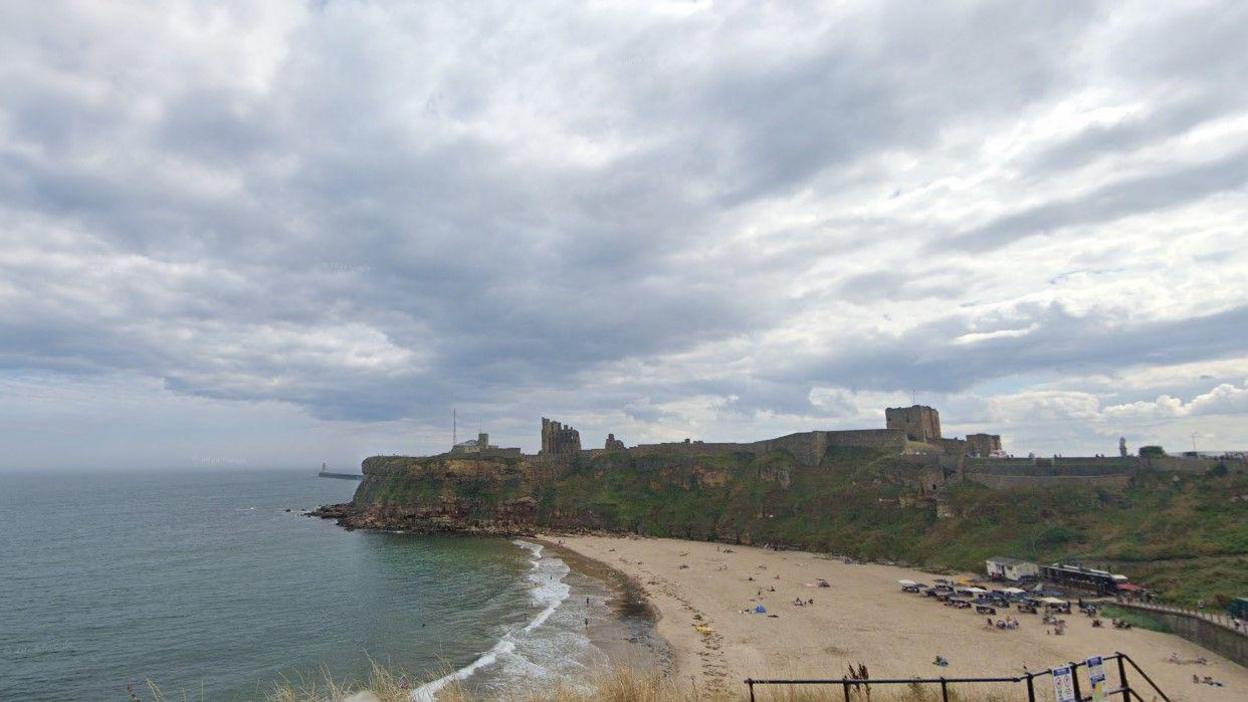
{"x":482,"y":448}
{"x":983,"y":445}
{"x":614,"y":444}
{"x":920,"y":423}
{"x":558,"y":439}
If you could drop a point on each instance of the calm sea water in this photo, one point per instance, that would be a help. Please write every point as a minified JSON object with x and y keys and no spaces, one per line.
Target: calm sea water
{"x":203,"y":583}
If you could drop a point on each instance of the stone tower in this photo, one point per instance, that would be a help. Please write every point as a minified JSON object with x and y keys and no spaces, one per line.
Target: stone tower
{"x":1122,"y":446}
{"x":558,"y":439}
{"x":983,"y":445}
{"x":921,"y":423}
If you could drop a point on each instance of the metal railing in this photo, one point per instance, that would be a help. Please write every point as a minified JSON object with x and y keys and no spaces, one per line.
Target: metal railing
{"x":1225,"y":621}
{"x":853,"y":687}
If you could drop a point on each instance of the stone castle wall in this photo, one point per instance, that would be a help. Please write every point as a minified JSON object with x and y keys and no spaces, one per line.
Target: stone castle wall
{"x":807,"y":447}
{"x":1023,"y":482}
{"x":1021,"y":473}
{"x":1179,"y":465}
{"x":1088,"y":466}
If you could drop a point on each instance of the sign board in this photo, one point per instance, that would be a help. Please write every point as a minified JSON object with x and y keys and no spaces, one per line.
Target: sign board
{"x":1064,"y":684}
{"x":1096,"y":674}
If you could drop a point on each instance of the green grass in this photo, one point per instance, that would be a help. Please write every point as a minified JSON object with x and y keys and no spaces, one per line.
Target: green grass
{"x":1136,"y":618}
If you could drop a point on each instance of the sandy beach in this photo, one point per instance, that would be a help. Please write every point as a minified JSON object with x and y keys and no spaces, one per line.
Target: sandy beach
{"x":862,"y":618}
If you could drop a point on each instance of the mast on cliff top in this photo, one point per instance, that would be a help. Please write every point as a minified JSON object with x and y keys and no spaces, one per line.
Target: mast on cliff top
{"x":454,"y":427}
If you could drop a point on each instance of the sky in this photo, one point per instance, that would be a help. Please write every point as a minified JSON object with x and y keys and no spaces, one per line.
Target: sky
{"x":260,"y":234}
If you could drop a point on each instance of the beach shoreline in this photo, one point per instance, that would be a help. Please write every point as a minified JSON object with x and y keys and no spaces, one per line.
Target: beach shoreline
{"x":627,"y":631}
{"x":704,"y":594}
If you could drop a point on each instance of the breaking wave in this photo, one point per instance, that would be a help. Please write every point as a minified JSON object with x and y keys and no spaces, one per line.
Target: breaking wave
{"x":548,"y":591}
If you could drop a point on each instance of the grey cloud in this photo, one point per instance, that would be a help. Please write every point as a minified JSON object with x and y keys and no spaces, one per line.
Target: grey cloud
{"x":898,"y":285}
{"x":518,"y":198}
{"x":926,"y":358}
{"x":1128,"y":134}
{"x":1129,"y":196}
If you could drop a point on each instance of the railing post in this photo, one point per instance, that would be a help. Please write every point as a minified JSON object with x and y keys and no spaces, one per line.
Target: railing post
{"x":1122,"y":680}
{"x":944,"y":689}
{"x":1031,"y":689}
{"x":1074,"y":678}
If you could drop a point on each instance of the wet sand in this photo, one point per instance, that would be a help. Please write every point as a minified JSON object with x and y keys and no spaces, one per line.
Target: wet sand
{"x":623,"y":621}
{"x":862,"y":618}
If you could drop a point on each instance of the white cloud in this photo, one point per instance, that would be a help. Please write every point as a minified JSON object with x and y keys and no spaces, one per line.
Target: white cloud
{"x":1223,"y":399}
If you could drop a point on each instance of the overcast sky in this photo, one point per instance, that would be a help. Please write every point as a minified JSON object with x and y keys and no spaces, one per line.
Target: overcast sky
{"x":285,"y":232}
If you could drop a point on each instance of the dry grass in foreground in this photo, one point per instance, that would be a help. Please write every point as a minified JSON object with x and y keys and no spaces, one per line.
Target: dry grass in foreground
{"x":612,"y":685}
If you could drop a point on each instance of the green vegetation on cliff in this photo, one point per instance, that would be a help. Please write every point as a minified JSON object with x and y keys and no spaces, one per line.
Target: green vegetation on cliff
{"x":1184,"y":537}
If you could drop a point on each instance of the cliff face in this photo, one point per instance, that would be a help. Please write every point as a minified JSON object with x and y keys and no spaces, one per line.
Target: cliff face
{"x":441,"y":495}
{"x":677,"y":492}
{"x":862,"y":501}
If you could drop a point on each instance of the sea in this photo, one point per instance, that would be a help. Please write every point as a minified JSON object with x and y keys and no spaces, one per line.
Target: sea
{"x":214,"y":585}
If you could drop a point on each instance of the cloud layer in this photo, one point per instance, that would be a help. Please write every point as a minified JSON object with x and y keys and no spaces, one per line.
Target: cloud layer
{"x":715,"y":219}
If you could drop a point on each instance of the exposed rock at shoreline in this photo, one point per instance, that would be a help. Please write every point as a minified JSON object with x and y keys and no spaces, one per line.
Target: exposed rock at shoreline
{"x":514,"y":519}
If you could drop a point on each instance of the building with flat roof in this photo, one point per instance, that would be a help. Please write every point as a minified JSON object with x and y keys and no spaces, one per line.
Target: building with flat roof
{"x":480,"y":447}
{"x":1077,"y":577}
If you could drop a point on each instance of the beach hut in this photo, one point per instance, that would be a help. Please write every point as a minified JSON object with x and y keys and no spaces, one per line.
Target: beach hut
{"x":1003,"y":568}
